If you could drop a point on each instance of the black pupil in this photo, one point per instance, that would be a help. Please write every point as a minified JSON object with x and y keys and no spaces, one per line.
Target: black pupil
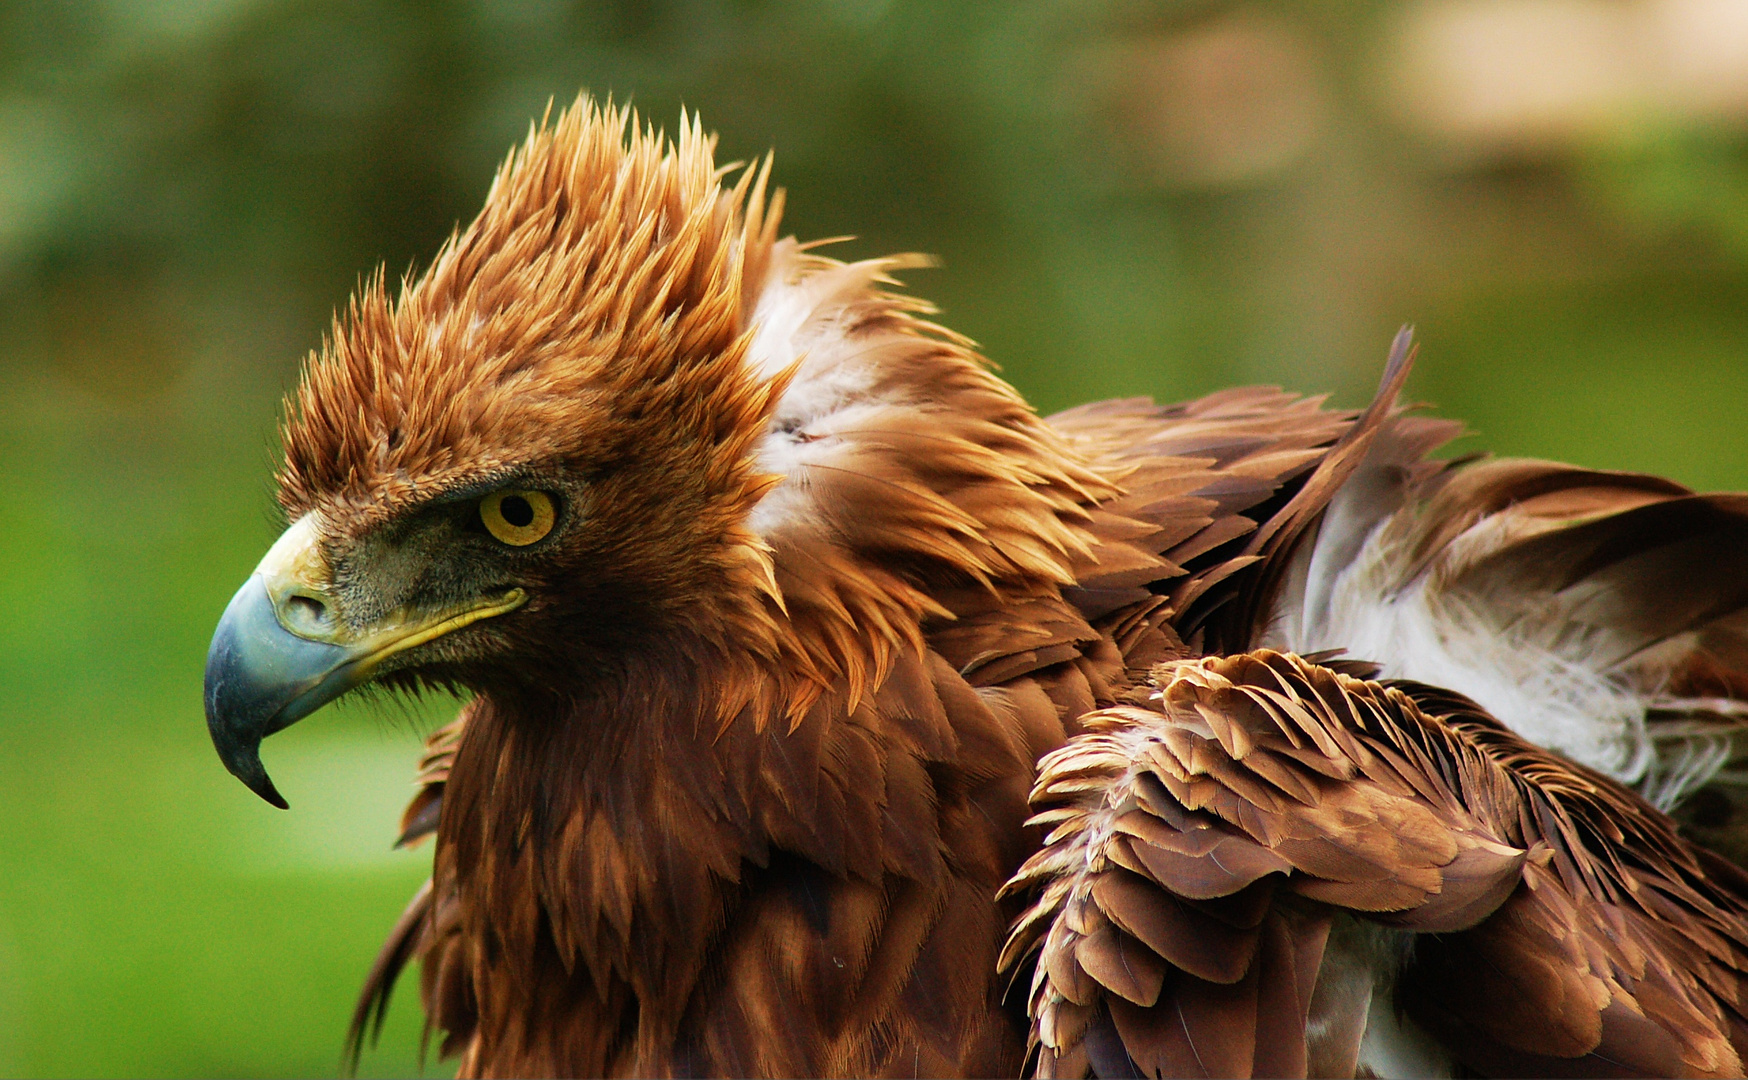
{"x":517,"y":511}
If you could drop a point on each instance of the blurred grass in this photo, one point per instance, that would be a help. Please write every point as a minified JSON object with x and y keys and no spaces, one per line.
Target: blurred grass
{"x":156,"y":918}
{"x":187,"y":190}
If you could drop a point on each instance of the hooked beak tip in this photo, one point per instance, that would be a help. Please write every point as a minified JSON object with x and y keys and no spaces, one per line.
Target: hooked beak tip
{"x":240,"y":751}
{"x":259,"y":680}
{"x":254,"y":776}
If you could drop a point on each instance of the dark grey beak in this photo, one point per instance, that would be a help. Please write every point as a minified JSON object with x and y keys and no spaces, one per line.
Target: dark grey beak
{"x":261,"y":678}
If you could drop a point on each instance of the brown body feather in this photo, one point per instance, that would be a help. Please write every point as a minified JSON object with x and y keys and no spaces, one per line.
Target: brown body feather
{"x":825,"y":901}
{"x":742,"y":780}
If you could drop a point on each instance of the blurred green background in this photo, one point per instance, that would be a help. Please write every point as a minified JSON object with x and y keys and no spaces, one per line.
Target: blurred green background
{"x":1129,"y":198}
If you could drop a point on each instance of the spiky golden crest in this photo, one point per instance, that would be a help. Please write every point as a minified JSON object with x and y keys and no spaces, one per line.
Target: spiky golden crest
{"x":603,"y":268}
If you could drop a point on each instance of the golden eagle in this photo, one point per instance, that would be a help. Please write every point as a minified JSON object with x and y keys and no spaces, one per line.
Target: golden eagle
{"x":835,"y":714}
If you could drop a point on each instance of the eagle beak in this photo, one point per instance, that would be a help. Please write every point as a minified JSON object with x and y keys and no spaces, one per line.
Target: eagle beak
{"x":281,"y":651}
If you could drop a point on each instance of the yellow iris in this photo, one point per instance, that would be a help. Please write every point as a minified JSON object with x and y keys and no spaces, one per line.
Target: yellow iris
{"x":518,"y":518}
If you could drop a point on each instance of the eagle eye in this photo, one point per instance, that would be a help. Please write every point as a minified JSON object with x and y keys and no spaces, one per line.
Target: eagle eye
{"x":517,"y":517}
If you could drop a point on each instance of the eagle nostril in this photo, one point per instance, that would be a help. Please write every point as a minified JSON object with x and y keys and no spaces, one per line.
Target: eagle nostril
{"x":307,"y":612}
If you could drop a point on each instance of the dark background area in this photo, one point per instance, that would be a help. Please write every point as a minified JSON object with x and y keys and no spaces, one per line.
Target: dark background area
{"x":1127,"y":198}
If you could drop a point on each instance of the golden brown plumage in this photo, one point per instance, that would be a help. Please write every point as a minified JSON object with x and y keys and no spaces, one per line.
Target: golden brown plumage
{"x":759,"y":703}
{"x":1221,"y":860}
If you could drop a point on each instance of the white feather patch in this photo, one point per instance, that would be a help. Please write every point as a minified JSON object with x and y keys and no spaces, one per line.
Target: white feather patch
{"x":1529,"y":670}
{"x":802,"y":322}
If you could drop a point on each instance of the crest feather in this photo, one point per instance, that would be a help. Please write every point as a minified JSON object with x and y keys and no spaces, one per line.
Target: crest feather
{"x":609,"y":260}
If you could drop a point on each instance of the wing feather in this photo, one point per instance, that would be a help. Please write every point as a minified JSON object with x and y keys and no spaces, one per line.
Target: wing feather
{"x":1602,"y":614}
{"x":1529,"y":914}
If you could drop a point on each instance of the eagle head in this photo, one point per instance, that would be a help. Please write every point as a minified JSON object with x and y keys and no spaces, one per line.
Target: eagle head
{"x":537,"y":457}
